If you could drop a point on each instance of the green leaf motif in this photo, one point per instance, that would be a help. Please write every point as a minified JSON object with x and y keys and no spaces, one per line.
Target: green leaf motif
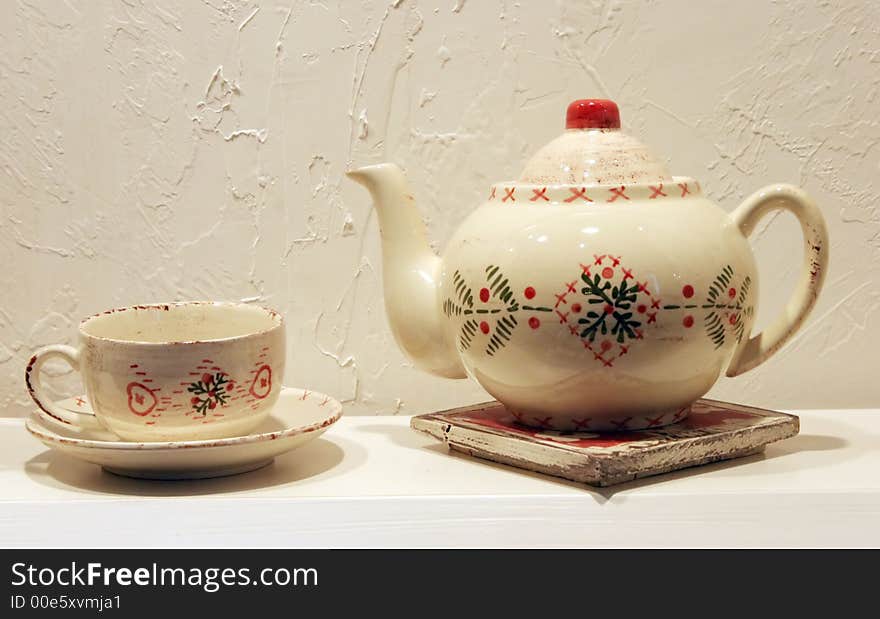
{"x":502,"y":320}
{"x":209,"y":394}
{"x":616,"y":302}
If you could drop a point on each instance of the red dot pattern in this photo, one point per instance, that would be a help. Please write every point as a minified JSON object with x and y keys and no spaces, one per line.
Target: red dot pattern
{"x":534,"y":323}
{"x":529,"y":292}
{"x":688,"y":321}
{"x":484,"y":295}
{"x":687,"y":291}
{"x":484,"y":327}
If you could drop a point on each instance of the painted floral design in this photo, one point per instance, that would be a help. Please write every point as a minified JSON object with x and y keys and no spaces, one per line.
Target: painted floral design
{"x":611,"y":308}
{"x":724,"y":307}
{"x":211,"y":391}
{"x":493,"y":311}
{"x":608,"y":308}
{"x":206,"y":393}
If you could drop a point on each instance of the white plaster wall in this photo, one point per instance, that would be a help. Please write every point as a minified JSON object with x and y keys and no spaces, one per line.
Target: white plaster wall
{"x":167,"y":150}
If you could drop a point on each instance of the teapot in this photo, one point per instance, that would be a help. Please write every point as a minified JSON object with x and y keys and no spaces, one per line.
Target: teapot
{"x":595,"y":293}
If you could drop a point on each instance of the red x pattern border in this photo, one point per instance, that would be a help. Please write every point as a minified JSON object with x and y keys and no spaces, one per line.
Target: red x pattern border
{"x":588,"y":424}
{"x":606,"y":351}
{"x":518,"y":193}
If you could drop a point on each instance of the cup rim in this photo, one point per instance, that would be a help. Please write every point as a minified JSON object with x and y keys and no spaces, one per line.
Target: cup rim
{"x":274,"y":314}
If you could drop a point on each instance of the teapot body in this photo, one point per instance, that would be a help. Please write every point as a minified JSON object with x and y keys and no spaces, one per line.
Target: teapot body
{"x":601,"y":307}
{"x":598,"y":292}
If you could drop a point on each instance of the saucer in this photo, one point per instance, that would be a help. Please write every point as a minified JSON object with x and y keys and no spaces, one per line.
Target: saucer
{"x":298,"y":417}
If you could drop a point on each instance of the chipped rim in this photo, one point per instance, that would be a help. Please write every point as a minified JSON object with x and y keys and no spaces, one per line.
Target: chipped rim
{"x":334,"y":409}
{"x":272,"y":313}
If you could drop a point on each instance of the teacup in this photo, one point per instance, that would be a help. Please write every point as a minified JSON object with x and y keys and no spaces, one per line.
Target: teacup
{"x":173,"y":371}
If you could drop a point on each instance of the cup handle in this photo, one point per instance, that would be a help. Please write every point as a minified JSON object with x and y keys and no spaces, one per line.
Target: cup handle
{"x":35,"y":386}
{"x":762,"y":346}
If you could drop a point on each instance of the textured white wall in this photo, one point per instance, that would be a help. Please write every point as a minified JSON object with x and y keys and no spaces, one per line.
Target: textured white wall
{"x":163,"y":150}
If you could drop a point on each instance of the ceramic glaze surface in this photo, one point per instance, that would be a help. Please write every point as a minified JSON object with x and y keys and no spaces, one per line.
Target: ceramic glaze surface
{"x":174,"y":371}
{"x":299,"y":417}
{"x":593,"y":151}
{"x":587,"y":305}
{"x":615,"y":309}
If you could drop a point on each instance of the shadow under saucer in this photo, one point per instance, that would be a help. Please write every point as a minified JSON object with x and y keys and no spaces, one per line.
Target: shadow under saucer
{"x":320,"y":458}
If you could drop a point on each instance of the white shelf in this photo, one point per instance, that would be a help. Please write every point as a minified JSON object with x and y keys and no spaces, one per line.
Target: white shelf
{"x":373,"y":482}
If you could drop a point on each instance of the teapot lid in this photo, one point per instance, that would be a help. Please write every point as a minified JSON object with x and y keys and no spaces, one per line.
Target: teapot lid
{"x":593,"y":150}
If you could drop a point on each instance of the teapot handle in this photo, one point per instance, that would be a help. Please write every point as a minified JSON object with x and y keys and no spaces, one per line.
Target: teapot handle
{"x":794,"y":200}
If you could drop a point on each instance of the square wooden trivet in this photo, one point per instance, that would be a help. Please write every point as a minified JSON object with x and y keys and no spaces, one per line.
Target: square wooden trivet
{"x":712,"y":431}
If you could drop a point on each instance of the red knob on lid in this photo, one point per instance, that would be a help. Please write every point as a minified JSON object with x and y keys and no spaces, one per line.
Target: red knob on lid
{"x":592,"y":114}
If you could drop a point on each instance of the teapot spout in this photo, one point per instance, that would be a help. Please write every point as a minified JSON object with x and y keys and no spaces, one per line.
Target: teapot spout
{"x":411,"y":273}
